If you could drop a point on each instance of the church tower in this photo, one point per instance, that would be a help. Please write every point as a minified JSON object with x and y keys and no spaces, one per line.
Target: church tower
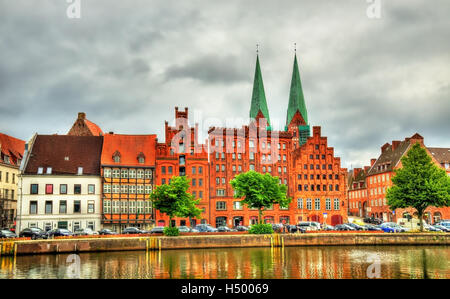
{"x":297,"y":116}
{"x":258,"y":108}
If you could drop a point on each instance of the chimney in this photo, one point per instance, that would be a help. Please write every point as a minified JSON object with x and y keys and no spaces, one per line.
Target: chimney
{"x":316,"y":131}
{"x":395,"y":144}
{"x":372,"y":162}
{"x":366,"y":168}
{"x":81,"y":115}
{"x":384,"y":147}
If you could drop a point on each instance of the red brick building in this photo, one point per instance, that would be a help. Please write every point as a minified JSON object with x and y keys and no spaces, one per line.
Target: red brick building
{"x":357,"y":192}
{"x":84,"y":127}
{"x":378,"y":180}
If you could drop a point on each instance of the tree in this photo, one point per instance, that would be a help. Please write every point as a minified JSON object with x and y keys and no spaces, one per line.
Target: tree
{"x":260,"y":191}
{"x":174,"y":200}
{"x":419,"y":184}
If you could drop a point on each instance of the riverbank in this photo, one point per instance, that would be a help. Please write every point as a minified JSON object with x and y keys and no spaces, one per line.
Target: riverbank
{"x":29,"y":247}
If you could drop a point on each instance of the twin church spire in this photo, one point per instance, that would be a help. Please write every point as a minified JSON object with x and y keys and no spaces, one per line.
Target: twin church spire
{"x":297,"y":116}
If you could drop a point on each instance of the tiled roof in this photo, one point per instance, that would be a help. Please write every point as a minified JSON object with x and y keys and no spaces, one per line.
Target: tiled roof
{"x":441,"y":154}
{"x":64,"y":154}
{"x":95,"y":130}
{"x":389,"y":158}
{"x":359,"y":178}
{"x":12,"y":147}
{"x":130,"y":148}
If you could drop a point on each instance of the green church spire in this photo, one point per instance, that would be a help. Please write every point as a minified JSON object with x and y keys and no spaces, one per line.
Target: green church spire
{"x":296,"y":99}
{"x":258,"y":96}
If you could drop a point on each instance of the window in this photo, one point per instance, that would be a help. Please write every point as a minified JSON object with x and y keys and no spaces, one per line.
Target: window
{"x":63,"y":207}
{"x":308,"y":204}
{"x":299,"y":203}
{"x":170,"y":169}
{"x":116,"y":173}
{"x":221,"y":205}
{"x":200,"y":169}
{"x":237,"y":205}
{"x":328,"y":204}
{"x":220,"y":192}
{"x":317,"y":204}
{"x":77,"y":189}
{"x":49,"y":189}
{"x":132,"y":189}
{"x":48,"y":207}
{"x":163,"y":169}
{"x":193,"y":169}
{"x":115,"y":189}
{"x":33,"y":207}
{"x":124,"y":189}
{"x":336,"y":203}
{"x":49,"y":170}
{"x":200,"y":182}
{"x":200,"y":194}
{"x":106,"y":188}
{"x":124,"y":207}
{"x":194,"y":182}
{"x":80,"y":171}
{"x":91,"y":189}
{"x":39,"y":171}
{"x":140,"y":189}
{"x":77,"y":206}
{"x":34,"y":189}
{"x":107,"y":172}
{"x":140,"y":174}
{"x":91,"y":207}
{"x":132,"y":173}
{"x":124,"y":174}
{"x":148,"y":189}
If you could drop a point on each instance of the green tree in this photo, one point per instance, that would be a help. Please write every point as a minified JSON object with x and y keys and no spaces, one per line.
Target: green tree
{"x":174,"y":200}
{"x":419,"y":184}
{"x":260,"y":191}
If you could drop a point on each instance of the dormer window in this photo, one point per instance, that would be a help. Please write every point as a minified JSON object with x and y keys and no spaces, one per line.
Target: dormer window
{"x":80,"y":170}
{"x":116,"y":157}
{"x":6,"y":158}
{"x":40,"y":170}
{"x":141,"y":158}
{"x":49,"y":170}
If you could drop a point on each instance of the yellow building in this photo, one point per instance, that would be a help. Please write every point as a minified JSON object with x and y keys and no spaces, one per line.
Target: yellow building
{"x":11,"y":152}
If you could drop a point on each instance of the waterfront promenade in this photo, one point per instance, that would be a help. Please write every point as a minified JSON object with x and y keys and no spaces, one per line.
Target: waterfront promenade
{"x":149,"y":243}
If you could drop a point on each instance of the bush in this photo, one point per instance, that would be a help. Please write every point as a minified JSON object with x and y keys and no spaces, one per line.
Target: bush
{"x":171,"y":231}
{"x":260,"y":229}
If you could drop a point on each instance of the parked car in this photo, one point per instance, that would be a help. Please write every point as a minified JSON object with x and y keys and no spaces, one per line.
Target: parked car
{"x":442,"y":228}
{"x":375,"y":221}
{"x":107,"y":231}
{"x":344,"y":227}
{"x":5,"y":234}
{"x":186,"y":229}
{"x":431,"y":228}
{"x":329,"y":227}
{"x":355,"y":226}
{"x":295,"y":229}
{"x":241,"y":228}
{"x":391,"y":227}
{"x":371,"y":227}
{"x":205,"y":228}
{"x":157,"y":230}
{"x":223,"y":229}
{"x":133,"y":231}
{"x":59,"y":232}
{"x":277,"y":227}
{"x":33,"y":233}
{"x":309,"y":225}
{"x":84,"y":232}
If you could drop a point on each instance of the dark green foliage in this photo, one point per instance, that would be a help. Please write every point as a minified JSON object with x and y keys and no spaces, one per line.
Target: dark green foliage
{"x":260,"y":191}
{"x":171,"y":231}
{"x":419,"y":184}
{"x":260,"y":229}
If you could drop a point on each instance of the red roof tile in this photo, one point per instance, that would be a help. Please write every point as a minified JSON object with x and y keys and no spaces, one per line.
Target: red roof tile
{"x":64,"y":154}
{"x":11,"y":147}
{"x":129,"y":147}
{"x":95,"y":130}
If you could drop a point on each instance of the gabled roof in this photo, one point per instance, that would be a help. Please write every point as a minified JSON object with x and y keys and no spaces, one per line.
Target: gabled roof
{"x":11,"y":147}
{"x":130,"y":147}
{"x":296,"y":98}
{"x":259,"y":104}
{"x":441,"y":154}
{"x":389,"y":158}
{"x":84,"y":127}
{"x":64,"y":154}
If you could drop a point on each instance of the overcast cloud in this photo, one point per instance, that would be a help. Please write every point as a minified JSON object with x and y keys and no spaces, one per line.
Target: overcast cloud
{"x":128,"y":63}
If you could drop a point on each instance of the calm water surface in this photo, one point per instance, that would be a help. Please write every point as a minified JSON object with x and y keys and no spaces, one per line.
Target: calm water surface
{"x":290,"y":262}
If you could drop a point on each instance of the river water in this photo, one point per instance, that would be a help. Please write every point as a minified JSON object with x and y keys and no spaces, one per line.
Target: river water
{"x":252,"y":263}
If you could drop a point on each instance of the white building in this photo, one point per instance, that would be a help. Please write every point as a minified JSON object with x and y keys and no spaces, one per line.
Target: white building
{"x":60,"y":183}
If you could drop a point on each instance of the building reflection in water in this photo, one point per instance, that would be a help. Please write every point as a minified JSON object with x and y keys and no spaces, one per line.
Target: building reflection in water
{"x":253,"y":263}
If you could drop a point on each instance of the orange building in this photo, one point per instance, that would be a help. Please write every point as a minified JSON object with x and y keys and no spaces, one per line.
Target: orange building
{"x":128,"y":172}
{"x":357,"y":192}
{"x":378,"y":180}
{"x":182,"y":155}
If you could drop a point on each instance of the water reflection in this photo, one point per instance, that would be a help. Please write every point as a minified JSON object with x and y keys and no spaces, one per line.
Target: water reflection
{"x":290,"y":262}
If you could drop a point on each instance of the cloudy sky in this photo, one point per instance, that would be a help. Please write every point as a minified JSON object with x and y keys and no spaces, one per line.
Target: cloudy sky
{"x":126,"y":64}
